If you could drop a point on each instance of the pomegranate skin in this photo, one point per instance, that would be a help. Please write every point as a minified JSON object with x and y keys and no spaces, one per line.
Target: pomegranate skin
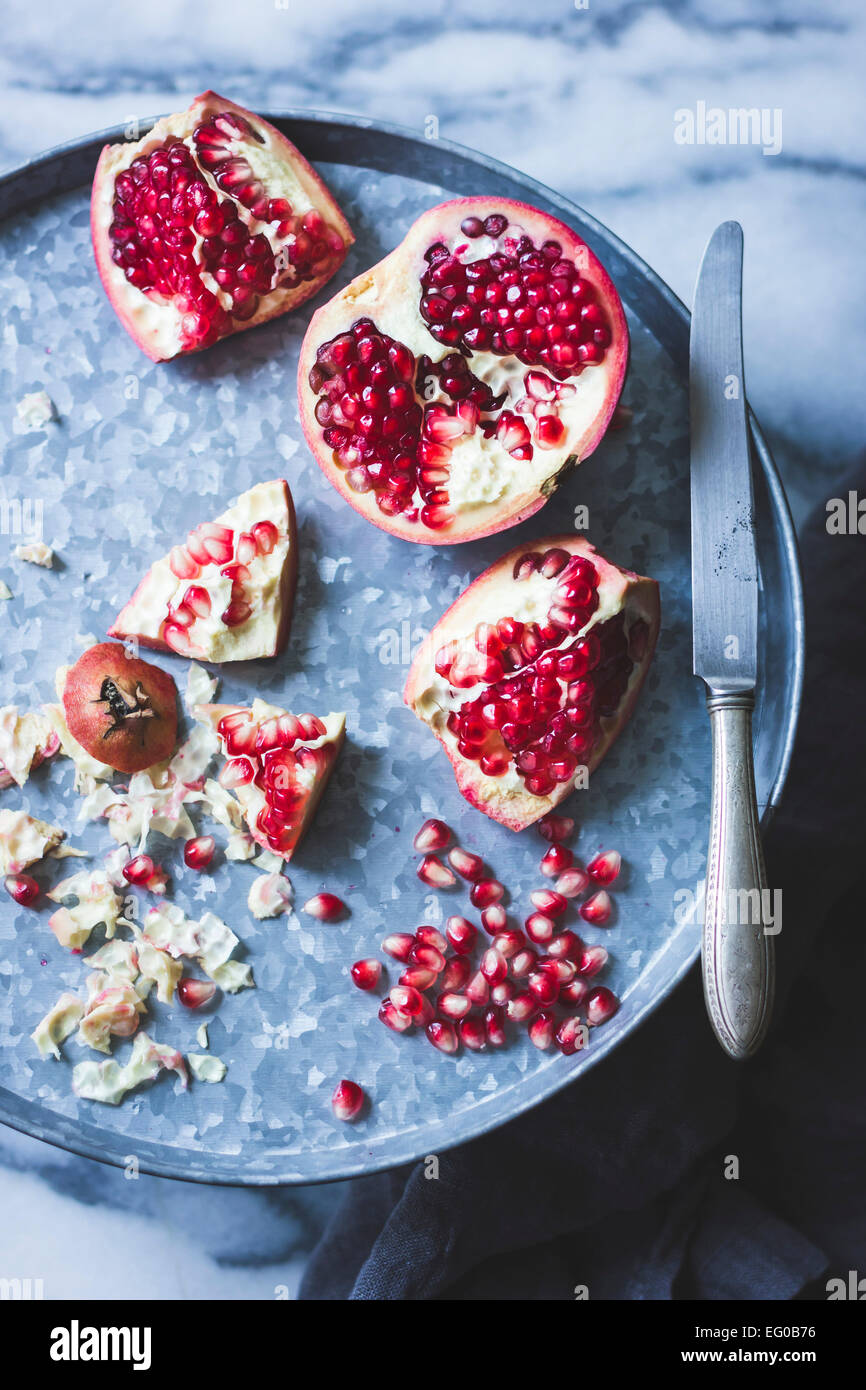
{"x":123,"y":711}
{"x":395,"y":314}
{"x":138,"y":310}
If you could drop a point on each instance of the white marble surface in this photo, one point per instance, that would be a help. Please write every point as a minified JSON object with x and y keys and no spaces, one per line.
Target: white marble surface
{"x":584,"y":99}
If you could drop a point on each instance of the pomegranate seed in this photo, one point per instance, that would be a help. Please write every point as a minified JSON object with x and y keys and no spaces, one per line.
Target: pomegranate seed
{"x":494,"y":966}
{"x":452,"y":1005}
{"x":366,"y":973}
{"x":434,"y":834}
{"x":605,"y":867}
{"x":494,"y":919}
{"x":592,"y":960}
{"x":21,"y":887}
{"x":494,"y":1026}
{"x":574,"y":992}
{"x":478,"y":989}
{"x":559,"y":969}
{"x":418,"y":976}
{"x":571,"y":1036}
{"x":550,"y":903}
{"x":139,"y":869}
{"x":473,"y":1033}
{"x":393,"y":1018}
{"x":425,"y":1014}
{"x":399,"y":944}
{"x":486,"y":892}
{"x":523,"y":962}
{"x":347,"y":1100}
{"x":508,"y":943}
{"x":542,"y":1029}
{"x":545,"y":989}
{"x":326,"y":906}
{"x":238,"y":772}
{"x":443,"y":1035}
{"x":555,"y":828}
{"x":601,"y":1004}
{"x":434,"y":873}
{"x":501,"y":993}
{"x":555,"y":860}
{"x":461,"y":934}
{"x":572,"y":883}
{"x":428,"y":958}
{"x":566,"y":946}
{"x":596,"y":909}
{"x":193,"y":993}
{"x":522,"y":1007}
{"x":265,"y":535}
{"x":455,"y":975}
{"x":429,"y":936}
{"x":198,"y":853}
{"x":406,"y":998}
{"x":470,"y":866}
{"x":539,"y":928}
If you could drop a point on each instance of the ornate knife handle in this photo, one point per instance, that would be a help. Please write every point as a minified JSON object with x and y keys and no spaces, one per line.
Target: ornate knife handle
{"x":737,"y":955}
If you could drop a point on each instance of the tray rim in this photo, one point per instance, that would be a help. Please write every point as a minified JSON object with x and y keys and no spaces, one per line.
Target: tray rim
{"x":779,"y":508}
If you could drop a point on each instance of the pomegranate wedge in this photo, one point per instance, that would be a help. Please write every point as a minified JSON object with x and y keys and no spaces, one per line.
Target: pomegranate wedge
{"x":532,"y":673}
{"x":226,"y":593}
{"x":287,"y":761}
{"x":447,"y":392}
{"x":212,"y":223}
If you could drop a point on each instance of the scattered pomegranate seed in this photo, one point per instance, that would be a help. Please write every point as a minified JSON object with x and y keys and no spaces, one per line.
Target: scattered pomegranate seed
{"x":326,"y":906}
{"x":523,"y":962}
{"x":486,"y":892}
{"x":473,"y":1033}
{"x":21,"y":887}
{"x":453,"y":1006}
{"x":399,"y":944}
{"x":555,"y":860}
{"x":572,"y":882}
{"x":198,"y":853}
{"x":540,"y":928}
{"x":347,"y":1100}
{"x":393,"y":1017}
{"x":494,"y":919}
{"x":604,"y":868}
{"x":478,"y":989}
{"x":544,"y":987}
{"x":193,"y":993}
{"x":552,"y":904}
{"x":419,"y":977}
{"x":367,"y":973}
{"x":494,"y":966}
{"x":429,"y":936}
{"x":555,"y":828}
{"x":592,"y":960}
{"x":456,"y":974}
{"x":501,"y":992}
{"x":434,"y":873}
{"x":443,"y":1035}
{"x":434,"y":834}
{"x":139,"y":869}
{"x":469,"y":866}
{"x":494,"y":1026}
{"x":428,"y":958}
{"x":567,"y":945}
{"x":601,"y":1004}
{"x":571,"y":1036}
{"x":508,"y":943}
{"x":522,"y":1006}
{"x":461,"y":933}
{"x":406,"y":998}
{"x":596,"y":909}
{"x":542,"y":1029}
{"x":425,"y":1013}
{"x":574,"y":992}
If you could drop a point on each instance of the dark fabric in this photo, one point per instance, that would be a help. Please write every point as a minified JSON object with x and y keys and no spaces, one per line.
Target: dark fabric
{"x":619,"y":1183}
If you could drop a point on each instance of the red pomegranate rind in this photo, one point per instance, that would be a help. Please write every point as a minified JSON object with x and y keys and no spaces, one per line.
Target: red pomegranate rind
{"x":212,"y":223}
{"x":515,"y":728}
{"x":123,"y":711}
{"x":286,"y":762}
{"x":226,"y":593}
{"x":441,"y":428}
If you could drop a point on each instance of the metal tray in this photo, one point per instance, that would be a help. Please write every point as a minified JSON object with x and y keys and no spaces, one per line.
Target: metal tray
{"x":142,"y":452}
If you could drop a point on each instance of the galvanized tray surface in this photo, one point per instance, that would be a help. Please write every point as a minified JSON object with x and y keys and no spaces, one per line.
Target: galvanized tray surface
{"x":142,"y":452}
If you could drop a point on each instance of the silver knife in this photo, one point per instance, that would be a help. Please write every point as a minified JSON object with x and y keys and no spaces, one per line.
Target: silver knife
{"x":737,"y":952}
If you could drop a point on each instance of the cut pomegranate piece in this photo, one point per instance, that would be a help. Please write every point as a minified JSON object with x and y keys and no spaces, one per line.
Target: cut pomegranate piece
{"x":204,"y":600}
{"x":399,"y":408}
{"x":22,"y":887}
{"x":366,"y":973}
{"x":326,"y":906}
{"x":576,"y":636}
{"x":604,"y":868}
{"x":291,"y":772}
{"x":347,"y":1100}
{"x":433,"y":835}
{"x":212,"y":223}
{"x":198,"y":853}
{"x":121,"y":710}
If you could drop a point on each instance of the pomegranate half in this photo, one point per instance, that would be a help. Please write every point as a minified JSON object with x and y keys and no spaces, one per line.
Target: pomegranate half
{"x":448,"y":391}
{"x":278,"y":765}
{"x":532,"y":673}
{"x":212,"y":223}
{"x":226,"y":594}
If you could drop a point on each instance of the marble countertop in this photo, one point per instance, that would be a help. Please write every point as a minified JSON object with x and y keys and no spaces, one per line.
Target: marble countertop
{"x":612,"y":84}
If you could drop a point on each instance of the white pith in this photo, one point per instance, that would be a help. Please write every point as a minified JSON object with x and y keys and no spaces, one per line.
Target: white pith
{"x":24,"y":840}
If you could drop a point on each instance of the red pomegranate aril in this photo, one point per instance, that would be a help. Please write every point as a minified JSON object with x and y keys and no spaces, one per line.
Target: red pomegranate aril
{"x":508,"y":943}
{"x":542,"y":1028}
{"x":485,"y":892}
{"x":327,"y":907}
{"x":522,"y":1006}
{"x":552,"y":904}
{"x":574,"y":992}
{"x":473,"y":1033}
{"x":478,"y":989}
{"x":367,"y":973}
{"x":194,"y":993}
{"x":501,"y":992}
{"x":597,"y":909}
{"x":469,"y":866}
{"x":572,"y":882}
{"x":428,"y":957}
{"x":418,"y":977}
{"x":434,"y":873}
{"x":494,"y":966}
{"x":237,"y":772}
{"x":394,"y":1018}
{"x":443,"y":1035}
{"x":455,"y":975}
{"x":399,"y":945}
{"x":555,"y":828}
{"x":522,"y":962}
{"x":429,"y":936}
{"x":566,"y":946}
{"x":139,"y":869}
{"x":434,"y":834}
{"x":604,"y":868}
{"x":555,"y":860}
{"x":406,"y":998}
{"x":453,"y":1005}
{"x":544,"y":986}
{"x":571,"y":1036}
{"x":198,"y":853}
{"x":494,"y":1026}
{"x":601,"y":1004}
{"x":591,"y":961}
{"x":347,"y":1100}
{"x":22,"y":887}
{"x":540,"y":928}
{"x":461,"y":933}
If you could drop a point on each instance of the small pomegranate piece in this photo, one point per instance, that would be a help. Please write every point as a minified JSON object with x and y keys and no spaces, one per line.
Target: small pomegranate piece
{"x":555,"y":860}
{"x":399,"y":944}
{"x":485,"y":892}
{"x":327,"y":907}
{"x":601,"y":1004}
{"x":461,"y":933}
{"x":572,"y":882}
{"x":473,"y":1033}
{"x":597,"y":909}
{"x":469,"y":866}
{"x":555,"y":828}
{"x":139,"y":870}
{"x":434,"y":873}
{"x":367,"y":973}
{"x":198,"y":853}
{"x":542,"y":1029}
{"x":347,"y":1100}
{"x":433,"y":835}
{"x":21,"y":887}
{"x":591,"y":961}
{"x":604,"y":868}
{"x":443,"y":1035}
{"x":571,"y":1036}
{"x":193,"y":993}
{"x":540,"y":928}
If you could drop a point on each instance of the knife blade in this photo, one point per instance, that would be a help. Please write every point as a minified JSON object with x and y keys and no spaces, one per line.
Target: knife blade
{"x":736,"y":947}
